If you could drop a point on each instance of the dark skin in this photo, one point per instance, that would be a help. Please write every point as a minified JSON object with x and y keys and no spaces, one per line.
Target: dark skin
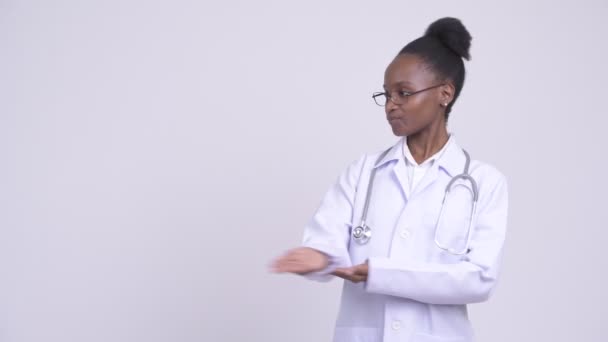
{"x":420,"y":117}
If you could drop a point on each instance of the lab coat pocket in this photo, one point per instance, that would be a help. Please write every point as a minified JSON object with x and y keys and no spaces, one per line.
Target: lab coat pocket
{"x":357,"y":334}
{"x":449,"y":231}
{"x":422,"y":337}
{"x":451,"y":222}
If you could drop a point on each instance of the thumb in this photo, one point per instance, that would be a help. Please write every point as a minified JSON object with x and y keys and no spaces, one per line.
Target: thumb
{"x":345,"y":271}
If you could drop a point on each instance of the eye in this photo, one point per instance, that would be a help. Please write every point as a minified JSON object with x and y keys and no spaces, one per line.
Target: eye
{"x":403,"y":93}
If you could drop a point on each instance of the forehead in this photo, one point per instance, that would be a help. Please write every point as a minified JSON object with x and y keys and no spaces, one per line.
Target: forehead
{"x":407,"y":70}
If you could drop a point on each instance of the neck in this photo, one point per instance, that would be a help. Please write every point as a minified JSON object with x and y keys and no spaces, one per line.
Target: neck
{"x":424,"y":144}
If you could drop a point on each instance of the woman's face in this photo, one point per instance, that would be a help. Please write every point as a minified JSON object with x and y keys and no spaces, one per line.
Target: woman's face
{"x":408,"y":73}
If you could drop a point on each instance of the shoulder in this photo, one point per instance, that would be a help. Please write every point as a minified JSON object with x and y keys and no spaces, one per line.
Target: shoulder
{"x":388,"y":154}
{"x":366,"y":162}
{"x":491,"y":182}
{"x":486,"y":172}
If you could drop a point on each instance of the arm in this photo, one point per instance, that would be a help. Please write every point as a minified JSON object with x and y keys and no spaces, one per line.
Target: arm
{"x":328,"y":230}
{"x":472,"y":280}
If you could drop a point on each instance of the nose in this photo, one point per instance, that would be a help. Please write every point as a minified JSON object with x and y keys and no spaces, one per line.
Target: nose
{"x":390,"y":105}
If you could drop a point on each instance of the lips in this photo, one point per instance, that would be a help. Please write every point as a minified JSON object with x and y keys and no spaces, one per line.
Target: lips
{"x":395,"y":116}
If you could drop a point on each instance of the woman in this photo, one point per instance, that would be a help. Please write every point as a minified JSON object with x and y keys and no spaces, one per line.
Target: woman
{"x":411,"y":261}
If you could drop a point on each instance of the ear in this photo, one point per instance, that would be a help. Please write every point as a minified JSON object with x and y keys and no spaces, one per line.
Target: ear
{"x":446,"y":94}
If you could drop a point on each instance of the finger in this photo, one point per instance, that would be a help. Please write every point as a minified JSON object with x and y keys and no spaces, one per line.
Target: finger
{"x":344,"y":276}
{"x":291,"y":257}
{"x":360,"y":271}
{"x":357,"y":280}
{"x":272,"y":266}
{"x":340,"y":273}
{"x":285,"y":257}
{"x":277,"y":264}
{"x":296,"y":267}
{"x":289,"y":266}
{"x":344,"y":271}
{"x":283,"y":265}
{"x":353,"y":274}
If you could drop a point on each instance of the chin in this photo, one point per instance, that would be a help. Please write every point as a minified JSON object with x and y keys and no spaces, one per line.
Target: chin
{"x":400,"y":131}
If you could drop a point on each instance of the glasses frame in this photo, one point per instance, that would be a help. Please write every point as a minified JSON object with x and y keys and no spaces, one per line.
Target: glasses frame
{"x":403,"y":95}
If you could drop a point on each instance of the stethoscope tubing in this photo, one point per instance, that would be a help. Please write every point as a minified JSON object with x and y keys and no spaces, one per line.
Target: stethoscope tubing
{"x":362,"y":233}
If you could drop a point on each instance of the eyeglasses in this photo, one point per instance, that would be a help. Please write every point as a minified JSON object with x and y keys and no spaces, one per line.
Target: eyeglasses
{"x":399,"y":98}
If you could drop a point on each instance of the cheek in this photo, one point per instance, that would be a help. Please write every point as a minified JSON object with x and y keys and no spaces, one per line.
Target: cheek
{"x":424,"y":112}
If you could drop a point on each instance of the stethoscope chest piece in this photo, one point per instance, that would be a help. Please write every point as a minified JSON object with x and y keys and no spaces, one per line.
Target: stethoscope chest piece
{"x":362,"y":234}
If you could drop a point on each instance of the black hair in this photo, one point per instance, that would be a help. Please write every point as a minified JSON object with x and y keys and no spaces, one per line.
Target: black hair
{"x":442,"y":47}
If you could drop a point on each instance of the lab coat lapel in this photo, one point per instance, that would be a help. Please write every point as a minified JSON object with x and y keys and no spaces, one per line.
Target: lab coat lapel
{"x":449,"y":162}
{"x":399,"y":170}
{"x":401,"y":174}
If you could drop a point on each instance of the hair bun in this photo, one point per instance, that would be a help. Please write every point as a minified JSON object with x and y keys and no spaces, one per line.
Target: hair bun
{"x":452,"y":33}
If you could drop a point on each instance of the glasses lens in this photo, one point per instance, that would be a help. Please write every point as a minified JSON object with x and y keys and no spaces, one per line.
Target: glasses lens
{"x":380,"y":99}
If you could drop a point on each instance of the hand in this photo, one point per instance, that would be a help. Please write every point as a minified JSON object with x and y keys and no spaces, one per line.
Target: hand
{"x":300,"y":260}
{"x":355,"y":273}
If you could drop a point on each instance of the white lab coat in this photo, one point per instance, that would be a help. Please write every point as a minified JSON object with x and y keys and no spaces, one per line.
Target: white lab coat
{"x":415,"y":291}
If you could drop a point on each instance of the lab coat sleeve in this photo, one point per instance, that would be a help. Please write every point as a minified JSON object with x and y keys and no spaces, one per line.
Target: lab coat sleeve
{"x":328,"y":231}
{"x":469,"y":281}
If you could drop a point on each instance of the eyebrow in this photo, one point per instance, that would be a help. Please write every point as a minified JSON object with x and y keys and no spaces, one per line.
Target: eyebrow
{"x":401,"y":84}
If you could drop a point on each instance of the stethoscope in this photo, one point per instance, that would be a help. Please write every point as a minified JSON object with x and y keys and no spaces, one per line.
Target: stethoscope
{"x":363,"y":233}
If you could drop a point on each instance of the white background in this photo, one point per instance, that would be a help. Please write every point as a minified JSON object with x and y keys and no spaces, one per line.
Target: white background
{"x":155,"y":156}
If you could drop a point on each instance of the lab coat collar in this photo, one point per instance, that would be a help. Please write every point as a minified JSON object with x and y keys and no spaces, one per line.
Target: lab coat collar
{"x":452,"y":160}
{"x":393,"y":154}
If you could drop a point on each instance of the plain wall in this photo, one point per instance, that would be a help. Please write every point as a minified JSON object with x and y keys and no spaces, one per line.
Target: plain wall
{"x":155,"y":156}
